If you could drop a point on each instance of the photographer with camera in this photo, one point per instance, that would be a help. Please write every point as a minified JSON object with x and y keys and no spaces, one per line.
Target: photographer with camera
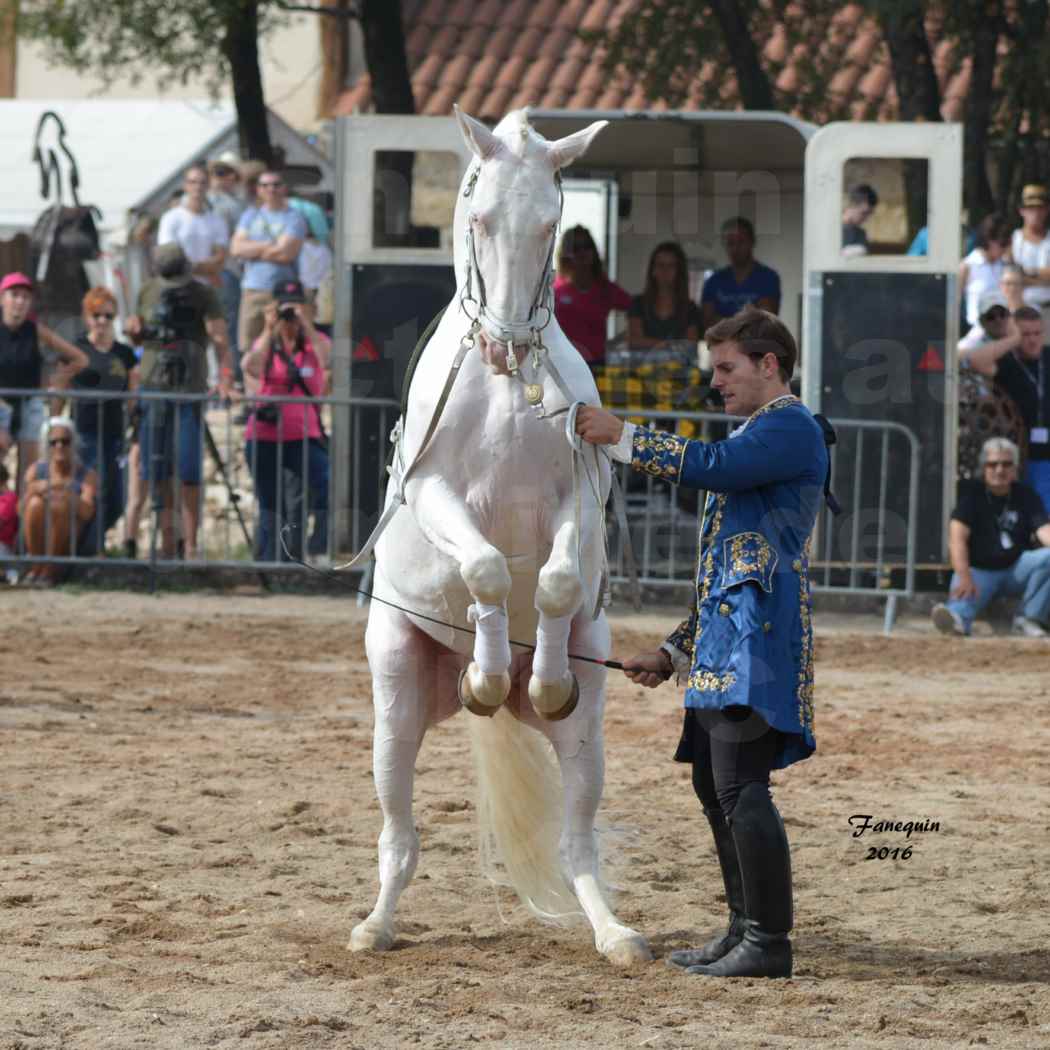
{"x":289,"y":359}
{"x":176,"y":318}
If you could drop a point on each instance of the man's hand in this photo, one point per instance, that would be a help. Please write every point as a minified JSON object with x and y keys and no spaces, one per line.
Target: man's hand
{"x":133,"y":327}
{"x":649,"y":669}
{"x":598,"y":426}
{"x":965,"y":588}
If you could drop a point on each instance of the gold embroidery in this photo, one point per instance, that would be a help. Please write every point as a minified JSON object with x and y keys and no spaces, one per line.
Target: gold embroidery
{"x":747,"y":556}
{"x":651,"y":446}
{"x":710,"y":682}
{"x":708,"y":561}
{"x":805,"y":668}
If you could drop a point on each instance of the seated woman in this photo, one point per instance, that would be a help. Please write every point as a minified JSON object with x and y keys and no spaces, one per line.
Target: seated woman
{"x":583,"y":296}
{"x":289,"y":359}
{"x":58,"y":501}
{"x":664,"y":312}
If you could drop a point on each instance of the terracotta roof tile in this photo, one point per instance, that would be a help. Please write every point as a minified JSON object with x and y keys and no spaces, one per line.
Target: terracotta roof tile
{"x":493,"y":55}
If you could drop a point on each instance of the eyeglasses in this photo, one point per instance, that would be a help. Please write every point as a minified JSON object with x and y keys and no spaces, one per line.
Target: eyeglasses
{"x":1000,"y":464}
{"x":103,"y":317}
{"x":267,"y":184}
{"x":60,"y":441}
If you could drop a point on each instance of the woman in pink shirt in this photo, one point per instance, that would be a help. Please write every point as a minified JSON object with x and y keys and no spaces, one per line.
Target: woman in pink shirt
{"x":583,"y":296}
{"x":289,"y":359}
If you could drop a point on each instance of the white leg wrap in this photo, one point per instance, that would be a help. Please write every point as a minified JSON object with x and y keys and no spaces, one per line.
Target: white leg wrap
{"x":491,"y":643}
{"x":550,"y":661}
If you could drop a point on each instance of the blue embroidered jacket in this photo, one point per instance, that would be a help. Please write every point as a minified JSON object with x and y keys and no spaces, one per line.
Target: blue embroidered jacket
{"x":749,"y":636}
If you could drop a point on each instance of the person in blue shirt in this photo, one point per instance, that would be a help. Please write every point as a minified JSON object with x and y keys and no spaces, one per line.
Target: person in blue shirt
{"x":745,"y":652}
{"x":744,"y":282}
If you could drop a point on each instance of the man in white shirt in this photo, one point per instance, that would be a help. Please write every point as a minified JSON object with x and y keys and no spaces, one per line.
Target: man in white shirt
{"x":1030,"y":247}
{"x":993,"y":322}
{"x":196,"y":228}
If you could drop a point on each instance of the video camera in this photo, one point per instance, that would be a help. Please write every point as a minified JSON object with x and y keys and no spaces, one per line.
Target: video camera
{"x":174,"y":318}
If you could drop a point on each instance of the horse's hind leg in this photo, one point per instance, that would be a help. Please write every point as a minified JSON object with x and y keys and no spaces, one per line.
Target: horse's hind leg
{"x":402,"y":661}
{"x":578,"y":743}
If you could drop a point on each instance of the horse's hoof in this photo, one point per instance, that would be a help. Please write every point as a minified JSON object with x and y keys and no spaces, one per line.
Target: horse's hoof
{"x":629,"y":949}
{"x":554,"y":700}
{"x":370,"y":937}
{"x":482,"y":694}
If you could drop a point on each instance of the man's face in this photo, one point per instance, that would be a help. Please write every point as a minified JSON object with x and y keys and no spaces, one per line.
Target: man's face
{"x":271,"y":190}
{"x":195,"y":185}
{"x":738,"y":245}
{"x":744,"y":382}
{"x":1034,"y":216}
{"x":1031,"y":333}
{"x":224,"y":180}
{"x":858,"y":214}
{"x":995,"y":321}
{"x":1000,"y":472}
{"x":16,"y":303}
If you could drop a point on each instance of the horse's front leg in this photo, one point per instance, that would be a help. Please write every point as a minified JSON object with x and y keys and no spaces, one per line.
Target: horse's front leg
{"x":451,"y":527}
{"x":553,"y":688}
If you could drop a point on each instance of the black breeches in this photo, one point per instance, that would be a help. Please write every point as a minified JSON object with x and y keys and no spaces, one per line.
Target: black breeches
{"x":732,"y":748}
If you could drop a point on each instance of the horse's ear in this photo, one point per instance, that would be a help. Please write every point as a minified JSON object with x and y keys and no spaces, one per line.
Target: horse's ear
{"x":482,"y":142}
{"x":563,"y":152}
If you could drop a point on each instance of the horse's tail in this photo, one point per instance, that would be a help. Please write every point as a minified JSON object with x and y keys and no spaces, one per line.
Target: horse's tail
{"x":519,"y":815}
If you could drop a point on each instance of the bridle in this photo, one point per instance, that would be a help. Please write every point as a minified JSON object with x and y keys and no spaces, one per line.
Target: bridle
{"x":501,"y":329}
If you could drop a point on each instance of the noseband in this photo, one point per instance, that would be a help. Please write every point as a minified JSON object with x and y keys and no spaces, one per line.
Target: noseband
{"x":500,"y":329}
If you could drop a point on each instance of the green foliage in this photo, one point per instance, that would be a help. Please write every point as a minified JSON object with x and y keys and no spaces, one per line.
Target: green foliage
{"x":165,"y":40}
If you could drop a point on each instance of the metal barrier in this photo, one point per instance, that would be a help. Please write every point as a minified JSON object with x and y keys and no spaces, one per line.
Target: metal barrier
{"x":869,"y":550}
{"x":253,"y":489}
{"x":214,"y":499}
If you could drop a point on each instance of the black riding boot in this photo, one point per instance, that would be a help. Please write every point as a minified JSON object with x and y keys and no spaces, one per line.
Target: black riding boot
{"x":765,"y":870}
{"x":727,"y":861}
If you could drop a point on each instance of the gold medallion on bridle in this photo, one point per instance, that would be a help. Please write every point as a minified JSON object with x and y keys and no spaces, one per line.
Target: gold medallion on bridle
{"x":533,"y":393}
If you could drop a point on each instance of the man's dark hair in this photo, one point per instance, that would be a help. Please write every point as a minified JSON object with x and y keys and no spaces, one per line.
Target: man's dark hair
{"x":738,"y":222}
{"x":757,"y":333}
{"x":197,"y":165}
{"x":993,"y":227}
{"x":863,"y":194}
{"x":1027,"y":313}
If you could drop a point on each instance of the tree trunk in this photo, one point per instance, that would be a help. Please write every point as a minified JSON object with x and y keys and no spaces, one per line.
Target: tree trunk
{"x":918,"y":93}
{"x":384,"y":40}
{"x":756,"y":92}
{"x":977,"y":190}
{"x":241,"y":47}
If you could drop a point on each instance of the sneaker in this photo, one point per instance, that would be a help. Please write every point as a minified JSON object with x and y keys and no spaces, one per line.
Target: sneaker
{"x":946,"y":621}
{"x":1028,"y":628}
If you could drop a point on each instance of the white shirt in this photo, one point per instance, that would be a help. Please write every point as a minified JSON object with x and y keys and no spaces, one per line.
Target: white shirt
{"x":197,"y":233}
{"x":1031,"y":257}
{"x":315,"y":263}
{"x":983,"y":277}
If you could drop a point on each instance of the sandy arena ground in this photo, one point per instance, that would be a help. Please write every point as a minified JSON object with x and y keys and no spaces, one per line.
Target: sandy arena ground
{"x":188,"y":829}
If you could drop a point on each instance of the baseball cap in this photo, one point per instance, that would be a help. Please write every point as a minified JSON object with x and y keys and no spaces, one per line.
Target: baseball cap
{"x":172,"y":264}
{"x":989,"y":299}
{"x":288,"y":292}
{"x":15,"y":280}
{"x":1033,"y":193}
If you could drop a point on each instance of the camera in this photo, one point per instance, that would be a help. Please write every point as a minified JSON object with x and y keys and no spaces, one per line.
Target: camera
{"x":287,"y":314}
{"x":268,"y":414}
{"x":173,"y":318}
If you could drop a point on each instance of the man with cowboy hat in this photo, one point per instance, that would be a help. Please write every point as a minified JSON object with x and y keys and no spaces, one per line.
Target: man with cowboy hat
{"x":1030,"y":247}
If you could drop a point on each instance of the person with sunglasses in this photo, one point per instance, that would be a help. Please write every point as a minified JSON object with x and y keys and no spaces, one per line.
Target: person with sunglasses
{"x":994,"y":324}
{"x":267,"y":240}
{"x":112,"y":366}
{"x":999,"y":543}
{"x":58,"y":501}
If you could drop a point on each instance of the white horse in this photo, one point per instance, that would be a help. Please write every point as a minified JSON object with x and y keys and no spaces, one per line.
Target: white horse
{"x":496,"y":537}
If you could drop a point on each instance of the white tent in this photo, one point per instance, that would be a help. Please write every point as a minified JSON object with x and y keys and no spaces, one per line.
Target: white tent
{"x":130,"y":153}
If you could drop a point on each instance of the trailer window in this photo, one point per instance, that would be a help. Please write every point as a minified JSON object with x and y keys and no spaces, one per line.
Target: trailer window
{"x":884,"y":206}
{"x":414,"y":198}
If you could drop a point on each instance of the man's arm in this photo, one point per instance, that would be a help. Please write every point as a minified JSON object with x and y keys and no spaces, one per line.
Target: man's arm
{"x":959,"y":555}
{"x":68,"y":354}
{"x":285,"y":250}
{"x":243,"y":247}
{"x":985,"y":358}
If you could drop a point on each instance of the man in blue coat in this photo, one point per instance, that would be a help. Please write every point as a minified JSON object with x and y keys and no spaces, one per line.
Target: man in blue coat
{"x":746,"y":650}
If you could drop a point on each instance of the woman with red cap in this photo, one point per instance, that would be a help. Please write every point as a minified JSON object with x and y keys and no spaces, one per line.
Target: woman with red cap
{"x":22,"y":362}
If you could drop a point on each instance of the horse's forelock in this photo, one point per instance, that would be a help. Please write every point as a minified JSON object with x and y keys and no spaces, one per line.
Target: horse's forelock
{"x":519,"y":136}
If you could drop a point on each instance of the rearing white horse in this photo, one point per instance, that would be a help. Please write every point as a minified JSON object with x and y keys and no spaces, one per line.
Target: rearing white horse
{"x":501,"y":533}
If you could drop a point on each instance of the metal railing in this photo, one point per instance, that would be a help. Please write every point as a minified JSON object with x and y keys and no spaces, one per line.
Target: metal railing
{"x":870,"y":549}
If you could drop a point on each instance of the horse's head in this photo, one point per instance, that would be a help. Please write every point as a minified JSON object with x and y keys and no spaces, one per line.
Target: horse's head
{"x":507,"y":222}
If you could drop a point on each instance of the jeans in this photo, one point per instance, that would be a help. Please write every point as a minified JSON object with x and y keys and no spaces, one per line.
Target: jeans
{"x":286,"y":498}
{"x":230,"y":297}
{"x":164,"y":424}
{"x":1037,"y":475}
{"x":1029,"y":577}
{"x":110,"y":472}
